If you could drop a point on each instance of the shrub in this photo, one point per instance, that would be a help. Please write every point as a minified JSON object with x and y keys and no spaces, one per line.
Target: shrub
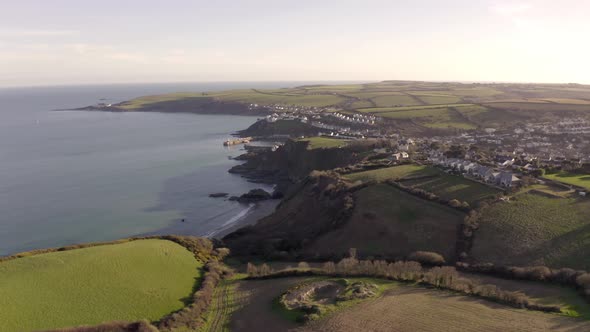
{"x":427,"y":257}
{"x":583,"y":281}
{"x":454,"y":203}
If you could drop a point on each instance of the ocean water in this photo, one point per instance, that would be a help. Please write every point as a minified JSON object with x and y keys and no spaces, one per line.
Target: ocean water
{"x":72,"y":176}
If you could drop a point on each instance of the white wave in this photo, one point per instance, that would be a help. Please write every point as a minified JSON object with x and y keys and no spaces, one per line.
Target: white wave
{"x":232,"y":221}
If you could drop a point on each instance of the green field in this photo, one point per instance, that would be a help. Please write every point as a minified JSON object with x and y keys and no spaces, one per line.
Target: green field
{"x":284,"y":98}
{"x":450,"y":187}
{"x":381,"y":110}
{"x":536,"y":106}
{"x":535,"y":229}
{"x":393,"y":100}
{"x":433,"y":99}
{"x":580,"y":180}
{"x":140,"y":102}
{"x":324,"y":142}
{"x":440,"y":183}
{"x":395,"y":172}
{"x":129,"y":281}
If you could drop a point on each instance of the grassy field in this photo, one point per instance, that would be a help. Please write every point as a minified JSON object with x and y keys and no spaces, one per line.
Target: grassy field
{"x":580,"y":180}
{"x":395,"y":172}
{"x":380,"y":110}
{"x":140,"y":102}
{"x":130,"y":281}
{"x":285,"y":98}
{"x":387,"y":222}
{"x":392,"y":100}
{"x":454,"y":187}
{"x":433,"y":99}
{"x":440,"y":183}
{"x":538,"y":106}
{"x":535,"y":229}
{"x":409,"y":309}
{"x":324,"y":142}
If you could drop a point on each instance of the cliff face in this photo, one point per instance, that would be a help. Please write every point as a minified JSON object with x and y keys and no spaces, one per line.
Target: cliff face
{"x":292,"y":162}
{"x":323,"y":216}
{"x":327,"y":203}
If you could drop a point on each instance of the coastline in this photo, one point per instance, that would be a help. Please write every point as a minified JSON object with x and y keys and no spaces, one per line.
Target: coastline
{"x":255,"y":212}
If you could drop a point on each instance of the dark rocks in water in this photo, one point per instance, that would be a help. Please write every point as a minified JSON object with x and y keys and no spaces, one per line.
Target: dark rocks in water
{"x":216,"y":195}
{"x":234,"y":198}
{"x":254,"y":195}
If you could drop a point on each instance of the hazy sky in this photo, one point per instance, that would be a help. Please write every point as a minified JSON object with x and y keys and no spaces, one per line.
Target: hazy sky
{"x":76,"y":41}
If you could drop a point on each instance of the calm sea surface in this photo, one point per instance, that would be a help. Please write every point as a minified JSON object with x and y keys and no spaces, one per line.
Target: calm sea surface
{"x":69,"y":177}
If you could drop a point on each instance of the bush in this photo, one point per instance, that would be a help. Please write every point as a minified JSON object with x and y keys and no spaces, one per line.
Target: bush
{"x":454,"y":203}
{"x":427,"y":257}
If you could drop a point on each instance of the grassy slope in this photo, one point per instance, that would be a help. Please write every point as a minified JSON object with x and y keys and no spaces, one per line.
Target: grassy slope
{"x":129,"y":281}
{"x":536,"y":230}
{"x":581,"y":180}
{"x":389,"y":222}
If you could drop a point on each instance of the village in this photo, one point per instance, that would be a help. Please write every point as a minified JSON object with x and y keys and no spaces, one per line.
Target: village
{"x":497,"y":157}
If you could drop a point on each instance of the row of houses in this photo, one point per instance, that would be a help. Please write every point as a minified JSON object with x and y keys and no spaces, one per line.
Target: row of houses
{"x":356,"y":118}
{"x":484,"y":173}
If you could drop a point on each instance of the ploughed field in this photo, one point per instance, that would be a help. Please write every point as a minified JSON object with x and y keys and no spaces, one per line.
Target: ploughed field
{"x":142,"y":279}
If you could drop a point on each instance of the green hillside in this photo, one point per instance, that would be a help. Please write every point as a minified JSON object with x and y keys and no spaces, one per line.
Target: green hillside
{"x":534,"y":229}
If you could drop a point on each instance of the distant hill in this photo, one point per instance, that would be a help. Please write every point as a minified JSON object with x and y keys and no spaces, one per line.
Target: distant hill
{"x":407,"y":106}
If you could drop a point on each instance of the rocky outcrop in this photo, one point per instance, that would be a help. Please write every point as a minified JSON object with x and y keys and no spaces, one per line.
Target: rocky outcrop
{"x":292,"y":162}
{"x":280,"y":127}
{"x":254,"y":195}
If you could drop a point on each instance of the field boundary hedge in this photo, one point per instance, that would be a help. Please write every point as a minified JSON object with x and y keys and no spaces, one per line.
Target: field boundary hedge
{"x":445,"y":277}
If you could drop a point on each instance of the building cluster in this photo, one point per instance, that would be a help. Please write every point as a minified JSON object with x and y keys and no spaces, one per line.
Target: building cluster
{"x":355,"y":118}
{"x":576,"y":125}
{"x":531,"y":143}
{"x":497,"y":176}
{"x":286,"y":116}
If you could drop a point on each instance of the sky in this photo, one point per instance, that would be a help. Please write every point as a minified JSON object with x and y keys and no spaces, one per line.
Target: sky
{"x":130,"y":41}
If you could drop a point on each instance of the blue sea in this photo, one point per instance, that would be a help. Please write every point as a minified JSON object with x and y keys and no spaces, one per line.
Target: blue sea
{"x":74,"y":176}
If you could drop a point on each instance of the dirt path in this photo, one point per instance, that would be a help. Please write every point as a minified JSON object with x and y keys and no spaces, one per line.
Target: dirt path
{"x":226,"y":300}
{"x":257,"y":314}
{"x":408,"y":309}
